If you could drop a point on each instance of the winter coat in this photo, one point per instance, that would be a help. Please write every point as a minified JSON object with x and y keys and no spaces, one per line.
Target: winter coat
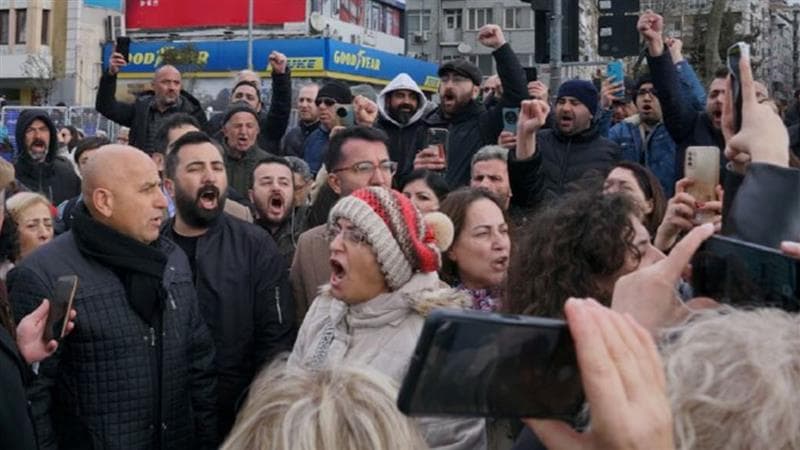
{"x":288,"y":232}
{"x":16,"y":424}
{"x":138,"y":116}
{"x":100,"y":389}
{"x":240,"y":170}
{"x":273,"y":124}
{"x":295,"y":139}
{"x":245,"y":299}
{"x":403,"y":138}
{"x":382,"y":334}
{"x":686,"y":125}
{"x":657,"y":152}
{"x":475,"y":126}
{"x":567,"y":159}
{"x":310,"y":268}
{"x":54,"y":177}
{"x":315,"y":147}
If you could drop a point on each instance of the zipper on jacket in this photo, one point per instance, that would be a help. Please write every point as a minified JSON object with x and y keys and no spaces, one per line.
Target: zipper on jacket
{"x":278,"y":304}
{"x":152,"y":337}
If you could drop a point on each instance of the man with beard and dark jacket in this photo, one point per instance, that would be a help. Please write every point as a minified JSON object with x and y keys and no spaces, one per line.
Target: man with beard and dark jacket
{"x":470,"y":124}
{"x":307,"y":121}
{"x":571,"y":151}
{"x":38,"y":166}
{"x":272,"y":123}
{"x":273,"y":198}
{"x":136,"y":372}
{"x":241,"y":279}
{"x":687,"y":126}
{"x":401,"y":105}
{"x":151,"y":108}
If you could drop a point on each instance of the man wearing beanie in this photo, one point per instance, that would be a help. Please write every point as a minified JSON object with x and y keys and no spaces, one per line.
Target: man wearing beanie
{"x":240,"y":129}
{"x":570,"y":151}
{"x":470,"y":124}
{"x":384,"y":258}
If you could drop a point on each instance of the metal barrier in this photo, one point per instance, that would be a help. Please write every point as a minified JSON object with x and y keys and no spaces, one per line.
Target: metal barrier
{"x":84,"y":118}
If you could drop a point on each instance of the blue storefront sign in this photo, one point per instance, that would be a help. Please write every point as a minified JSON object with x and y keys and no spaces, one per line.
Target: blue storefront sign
{"x":307,"y":58}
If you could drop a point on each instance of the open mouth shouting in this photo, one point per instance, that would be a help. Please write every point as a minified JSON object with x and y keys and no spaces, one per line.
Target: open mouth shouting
{"x":208,"y":197}
{"x":276,"y":206}
{"x":338,"y":272}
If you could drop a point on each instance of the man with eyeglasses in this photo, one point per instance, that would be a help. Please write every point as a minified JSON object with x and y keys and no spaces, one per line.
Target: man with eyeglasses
{"x":644,"y":139}
{"x":357,"y":157}
{"x":272,"y":123}
{"x":470,"y":124}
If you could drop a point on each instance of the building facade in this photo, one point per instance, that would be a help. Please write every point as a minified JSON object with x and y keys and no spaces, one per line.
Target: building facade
{"x":26,"y":61}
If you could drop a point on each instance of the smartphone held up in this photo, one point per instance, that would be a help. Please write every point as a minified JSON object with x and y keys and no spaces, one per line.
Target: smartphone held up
{"x":735,"y":54}
{"x":60,"y":305}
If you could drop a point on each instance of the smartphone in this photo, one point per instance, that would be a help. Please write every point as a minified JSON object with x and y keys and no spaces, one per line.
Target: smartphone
{"x":745,"y":274}
{"x":616,"y":73}
{"x":345,"y":115}
{"x":531,"y":74}
{"x":735,"y":53}
{"x":60,"y":304}
{"x":123,"y":46}
{"x":478,"y":364}
{"x":510,"y":116}
{"x":701,"y":164}
{"x":438,"y":137}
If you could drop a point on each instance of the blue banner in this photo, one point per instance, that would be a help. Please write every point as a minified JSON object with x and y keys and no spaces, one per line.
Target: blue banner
{"x":110,"y":4}
{"x":307,"y":57}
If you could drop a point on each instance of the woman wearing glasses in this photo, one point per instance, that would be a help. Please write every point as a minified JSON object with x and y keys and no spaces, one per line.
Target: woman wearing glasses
{"x":383,"y":259}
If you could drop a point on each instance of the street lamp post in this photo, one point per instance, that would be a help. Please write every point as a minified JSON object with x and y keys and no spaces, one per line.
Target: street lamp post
{"x":250,"y":34}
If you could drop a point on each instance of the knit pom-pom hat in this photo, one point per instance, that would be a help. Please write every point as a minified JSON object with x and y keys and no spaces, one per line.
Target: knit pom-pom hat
{"x":399,"y":235}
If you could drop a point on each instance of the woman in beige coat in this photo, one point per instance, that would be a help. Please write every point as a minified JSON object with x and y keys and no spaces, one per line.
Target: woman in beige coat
{"x":384,"y":259}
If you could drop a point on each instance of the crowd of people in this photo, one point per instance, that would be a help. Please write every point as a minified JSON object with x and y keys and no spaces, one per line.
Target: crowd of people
{"x":243,"y":284}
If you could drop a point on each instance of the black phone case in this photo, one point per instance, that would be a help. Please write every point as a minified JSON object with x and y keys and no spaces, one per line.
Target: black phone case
{"x":435,"y":321}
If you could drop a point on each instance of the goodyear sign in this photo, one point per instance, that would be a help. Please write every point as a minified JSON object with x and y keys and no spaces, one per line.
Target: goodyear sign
{"x":306,"y":57}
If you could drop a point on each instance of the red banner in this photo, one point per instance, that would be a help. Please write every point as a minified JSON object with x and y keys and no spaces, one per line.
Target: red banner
{"x":174,"y":14}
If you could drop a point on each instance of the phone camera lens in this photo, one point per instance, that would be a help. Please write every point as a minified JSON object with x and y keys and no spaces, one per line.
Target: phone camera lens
{"x":341,"y":112}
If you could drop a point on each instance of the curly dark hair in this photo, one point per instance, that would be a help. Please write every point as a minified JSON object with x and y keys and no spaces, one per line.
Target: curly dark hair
{"x":572,"y":249}
{"x":455,"y":206}
{"x":9,"y":251}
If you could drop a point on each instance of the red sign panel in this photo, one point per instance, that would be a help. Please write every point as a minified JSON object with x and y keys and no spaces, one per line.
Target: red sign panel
{"x":174,"y":14}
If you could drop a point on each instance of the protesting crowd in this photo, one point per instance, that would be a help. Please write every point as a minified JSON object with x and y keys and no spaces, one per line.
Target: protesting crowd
{"x":242,"y":284}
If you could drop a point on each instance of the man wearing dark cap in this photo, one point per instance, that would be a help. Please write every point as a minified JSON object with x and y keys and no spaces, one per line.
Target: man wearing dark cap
{"x":273,"y":121}
{"x":240,"y":128}
{"x":330,"y":96}
{"x":471,"y":125}
{"x":573,"y":149}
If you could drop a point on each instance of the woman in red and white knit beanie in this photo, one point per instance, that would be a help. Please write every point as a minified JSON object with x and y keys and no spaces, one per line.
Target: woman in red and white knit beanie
{"x":403,"y":241}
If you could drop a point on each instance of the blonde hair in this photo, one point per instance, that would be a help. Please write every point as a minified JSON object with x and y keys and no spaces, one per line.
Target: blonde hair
{"x":337,"y":407}
{"x":733,"y":380}
{"x":18,"y":203}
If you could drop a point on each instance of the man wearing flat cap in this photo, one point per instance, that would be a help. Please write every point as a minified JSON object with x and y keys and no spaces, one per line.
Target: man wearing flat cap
{"x":471,"y":125}
{"x":240,"y":128}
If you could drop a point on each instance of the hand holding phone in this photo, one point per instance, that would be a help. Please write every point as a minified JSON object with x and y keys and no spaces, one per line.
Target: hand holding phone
{"x":616,"y":74}
{"x":702,"y":166}
{"x":120,"y":55}
{"x":510,"y":118}
{"x":345,"y":116}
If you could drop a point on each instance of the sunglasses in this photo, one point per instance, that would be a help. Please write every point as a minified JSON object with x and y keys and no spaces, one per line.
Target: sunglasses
{"x":327,"y":100}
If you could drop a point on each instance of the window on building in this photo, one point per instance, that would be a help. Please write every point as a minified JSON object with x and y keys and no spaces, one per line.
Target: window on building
{"x":21,"y":20}
{"x":518,"y":19}
{"x":45,"y":27}
{"x":698,"y":3}
{"x":484,"y":62}
{"x":452,"y":18}
{"x":479,"y":17}
{"x":4,"y":15}
{"x":418,"y":20}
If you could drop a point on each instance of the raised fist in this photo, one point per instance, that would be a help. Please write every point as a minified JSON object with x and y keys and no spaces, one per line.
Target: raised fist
{"x":278,"y":62}
{"x":491,"y":36}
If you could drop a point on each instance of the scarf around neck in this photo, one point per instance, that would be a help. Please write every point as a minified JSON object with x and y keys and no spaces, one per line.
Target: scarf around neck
{"x":139,"y":267}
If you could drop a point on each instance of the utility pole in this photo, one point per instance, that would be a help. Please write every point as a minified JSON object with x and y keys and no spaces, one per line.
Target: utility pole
{"x":555,"y":46}
{"x":250,"y":34}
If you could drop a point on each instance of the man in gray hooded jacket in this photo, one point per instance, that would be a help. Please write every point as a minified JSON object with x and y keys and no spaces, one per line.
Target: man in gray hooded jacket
{"x":401,"y":105}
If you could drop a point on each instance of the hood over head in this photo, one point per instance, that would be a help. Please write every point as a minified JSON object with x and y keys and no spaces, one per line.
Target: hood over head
{"x":402,"y":81}
{"x":26,"y":117}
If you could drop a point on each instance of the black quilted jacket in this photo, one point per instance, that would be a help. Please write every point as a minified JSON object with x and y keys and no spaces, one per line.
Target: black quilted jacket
{"x":100,"y":389}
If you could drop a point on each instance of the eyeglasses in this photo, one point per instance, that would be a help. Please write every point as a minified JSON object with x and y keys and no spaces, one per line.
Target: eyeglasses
{"x":486,"y":90}
{"x":353,"y":235}
{"x":327,"y":100}
{"x":455,"y":78}
{"x":367,"y":168}
{"x":645,"y":91}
